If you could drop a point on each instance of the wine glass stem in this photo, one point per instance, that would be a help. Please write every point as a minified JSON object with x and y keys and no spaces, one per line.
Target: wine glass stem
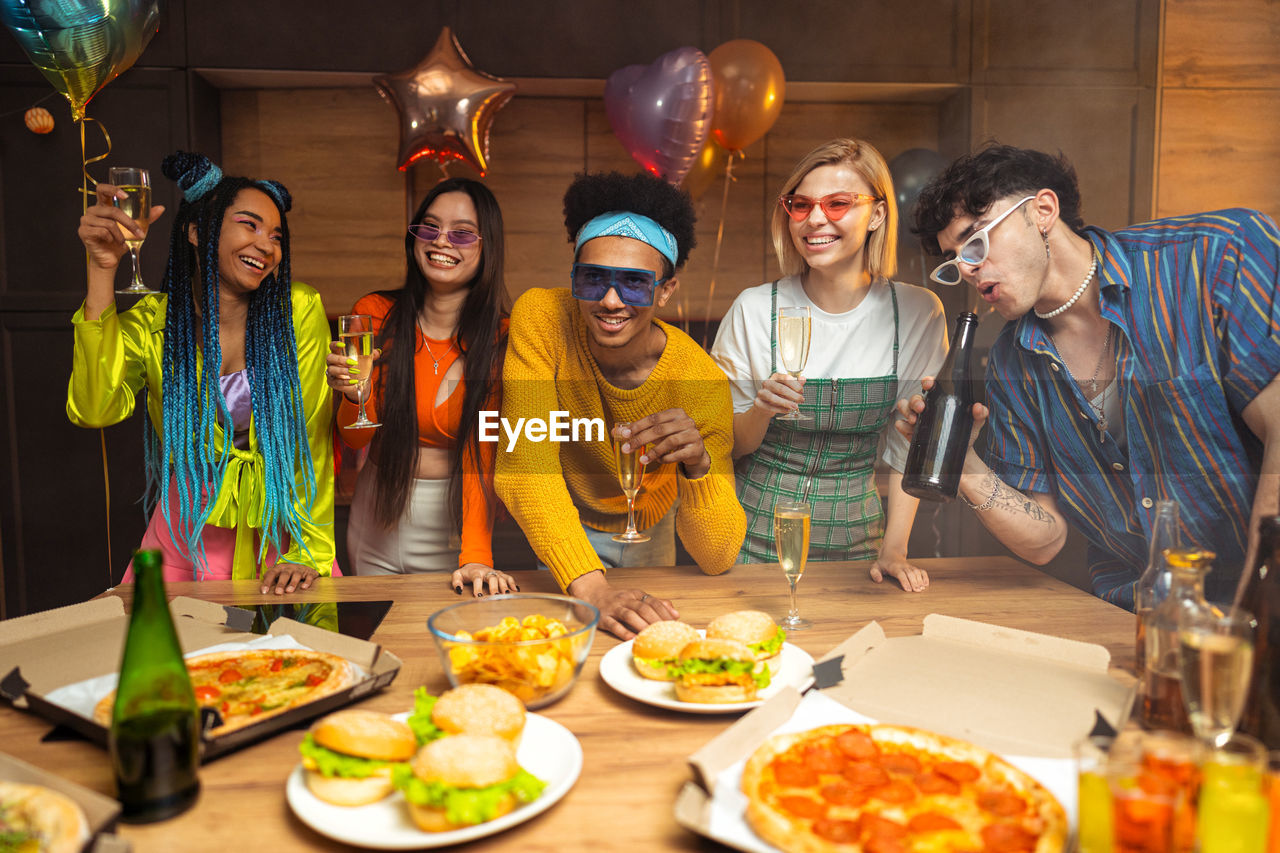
{"x":360,"y":386}
{"x":137,"y":270}
{"x":794,"y":615}
{"x":631,"y":514}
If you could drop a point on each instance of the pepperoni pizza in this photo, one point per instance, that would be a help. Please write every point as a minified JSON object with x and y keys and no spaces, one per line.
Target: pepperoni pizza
{"x":893,"y":789}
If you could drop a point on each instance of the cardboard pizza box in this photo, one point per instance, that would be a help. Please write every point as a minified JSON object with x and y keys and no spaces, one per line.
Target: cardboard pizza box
{"x":101,"y":811}
{"x":45,"y":651}
{"x":1013,"y":692}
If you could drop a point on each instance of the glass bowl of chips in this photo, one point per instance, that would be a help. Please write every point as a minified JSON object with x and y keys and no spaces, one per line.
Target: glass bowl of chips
{"x":532,"y":645}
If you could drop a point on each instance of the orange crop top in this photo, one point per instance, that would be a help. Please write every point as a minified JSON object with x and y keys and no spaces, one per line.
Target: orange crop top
{"x":438,"y":426}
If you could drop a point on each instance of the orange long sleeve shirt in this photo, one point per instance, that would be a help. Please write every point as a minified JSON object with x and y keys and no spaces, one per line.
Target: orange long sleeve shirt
{"x":438,"y":426}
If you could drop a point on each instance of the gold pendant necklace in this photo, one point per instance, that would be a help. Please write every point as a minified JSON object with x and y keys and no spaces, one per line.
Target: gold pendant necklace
{"x":426,"y":342}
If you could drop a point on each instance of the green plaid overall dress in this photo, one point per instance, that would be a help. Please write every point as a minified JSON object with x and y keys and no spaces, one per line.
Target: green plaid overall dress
{"x":827,"y":461}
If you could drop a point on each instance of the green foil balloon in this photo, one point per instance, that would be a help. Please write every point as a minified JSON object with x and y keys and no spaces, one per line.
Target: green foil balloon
{"x":81,"y":45}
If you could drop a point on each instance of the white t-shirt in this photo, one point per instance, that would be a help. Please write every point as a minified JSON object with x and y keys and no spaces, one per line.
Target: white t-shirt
{"x":855,"y":344}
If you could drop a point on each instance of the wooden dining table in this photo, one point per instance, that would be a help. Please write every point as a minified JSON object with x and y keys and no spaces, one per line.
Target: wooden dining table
{"x":634,"y":754}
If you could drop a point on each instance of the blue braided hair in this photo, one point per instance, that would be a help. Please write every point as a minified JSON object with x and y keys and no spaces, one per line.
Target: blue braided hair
{"x":186,"y":454}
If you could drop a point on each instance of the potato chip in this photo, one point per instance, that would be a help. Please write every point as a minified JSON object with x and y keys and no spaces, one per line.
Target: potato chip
{"x":530,"y":658}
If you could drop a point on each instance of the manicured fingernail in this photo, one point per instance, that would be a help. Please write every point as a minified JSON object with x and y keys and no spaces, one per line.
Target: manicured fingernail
{"x":458,"y":590}
{"x":352,"y":362}
{"x":351,"y":382}
{"x":626,"y":432}
{"x":517,"y":589}
{"x":644,"y":460}
{"x":479,"y":595}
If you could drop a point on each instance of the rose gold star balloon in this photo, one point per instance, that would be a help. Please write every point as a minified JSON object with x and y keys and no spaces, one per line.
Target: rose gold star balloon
{"x":446,"y":106}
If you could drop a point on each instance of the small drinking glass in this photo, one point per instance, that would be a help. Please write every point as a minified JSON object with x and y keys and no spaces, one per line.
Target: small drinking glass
{"x":356,"y":333}
{"x":794,"y":329}
{"x":1216,"y":659}
{"x":630,"y":477}
{"x":1144,"y":810}
{"x":1233,"y":806}
{"x":1095,"y":831}
{"x":791,"y":540}
{"x":136,"y":184}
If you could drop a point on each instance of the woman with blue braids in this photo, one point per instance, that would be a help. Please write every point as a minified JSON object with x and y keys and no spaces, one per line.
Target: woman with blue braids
{"x":239,"y":471}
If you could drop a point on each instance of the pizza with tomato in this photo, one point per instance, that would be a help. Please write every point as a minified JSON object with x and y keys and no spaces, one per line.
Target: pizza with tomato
{"x":894,"y":789}
{"x":251,"y":685}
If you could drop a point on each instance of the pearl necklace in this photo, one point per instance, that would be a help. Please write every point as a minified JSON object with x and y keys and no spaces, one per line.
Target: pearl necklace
{"x":1072,"y":301}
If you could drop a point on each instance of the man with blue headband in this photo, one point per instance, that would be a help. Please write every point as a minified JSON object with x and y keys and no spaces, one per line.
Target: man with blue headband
{"x":597,"y":350}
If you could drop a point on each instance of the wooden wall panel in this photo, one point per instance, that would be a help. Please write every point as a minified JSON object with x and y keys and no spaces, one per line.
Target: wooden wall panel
{"x":1219,"y":149}
{"x":1222,"y":44}
{"x":1099,"y":129}
{"x":1085,"y":43}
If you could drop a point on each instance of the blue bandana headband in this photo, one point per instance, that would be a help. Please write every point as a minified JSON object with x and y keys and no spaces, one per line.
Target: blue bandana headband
{"x":621,"y":223}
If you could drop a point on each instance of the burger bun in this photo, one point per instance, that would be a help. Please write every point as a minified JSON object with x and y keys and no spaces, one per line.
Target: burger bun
{"x":661,"y":641}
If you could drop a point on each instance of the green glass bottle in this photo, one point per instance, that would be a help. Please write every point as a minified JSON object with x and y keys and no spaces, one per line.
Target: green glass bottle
{"x":155,"y":726}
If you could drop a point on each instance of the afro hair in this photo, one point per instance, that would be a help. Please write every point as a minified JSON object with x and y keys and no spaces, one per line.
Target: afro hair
{"x":591,"y":195}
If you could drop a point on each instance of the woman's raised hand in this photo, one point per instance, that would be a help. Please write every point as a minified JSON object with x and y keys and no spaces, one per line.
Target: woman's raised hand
{"x":100,"y":227}
{"x":341,"y":372}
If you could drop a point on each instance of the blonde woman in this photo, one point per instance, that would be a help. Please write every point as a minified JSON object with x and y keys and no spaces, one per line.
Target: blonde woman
{"x":835,"y":233}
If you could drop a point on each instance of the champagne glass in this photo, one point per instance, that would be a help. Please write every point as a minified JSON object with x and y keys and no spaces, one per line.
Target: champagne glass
{"x":791,"y":539}
{"x":1216,"y":658}
{"x":794,"y":326}
{"x":356,"y":333}
{"x":630,"y":477}
{"x":136,"y":184}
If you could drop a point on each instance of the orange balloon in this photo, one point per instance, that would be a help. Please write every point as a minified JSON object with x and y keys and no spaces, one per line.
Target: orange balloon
{"x":750,"y":88}
{"x":706,"y":170}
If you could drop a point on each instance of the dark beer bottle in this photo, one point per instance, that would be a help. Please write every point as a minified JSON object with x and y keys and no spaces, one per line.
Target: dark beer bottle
{"x":1261,"y":597}
{"x":155,"y":725}
{"x":942,"y":432}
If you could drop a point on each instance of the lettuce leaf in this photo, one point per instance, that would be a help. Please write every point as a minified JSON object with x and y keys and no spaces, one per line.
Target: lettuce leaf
{"x":420,"y":720}
{"x":726,"y":665}
{"x":771,"y":645}
{"x":330,"y":763}
{"x":658,"y":662}
{"x":466,"y":806}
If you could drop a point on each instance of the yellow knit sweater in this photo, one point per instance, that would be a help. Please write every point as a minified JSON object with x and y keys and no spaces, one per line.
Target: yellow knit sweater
{"x":551,"y":488}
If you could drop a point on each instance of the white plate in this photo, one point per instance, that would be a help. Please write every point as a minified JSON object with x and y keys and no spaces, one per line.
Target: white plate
{"x":795,"y":668}
{"x":547,"y":750}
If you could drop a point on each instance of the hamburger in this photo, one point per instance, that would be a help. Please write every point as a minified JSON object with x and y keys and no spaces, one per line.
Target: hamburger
{"x":480,"y":709}
{"x":656,"y":648}
{"x":718,"y":671}
{"x":348,"y":756}
{"x":463,"y":780}
{"x":755,"y":629}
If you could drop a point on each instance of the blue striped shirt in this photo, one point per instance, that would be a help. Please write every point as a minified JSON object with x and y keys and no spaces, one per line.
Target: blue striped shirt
{"x":1197,"y":329}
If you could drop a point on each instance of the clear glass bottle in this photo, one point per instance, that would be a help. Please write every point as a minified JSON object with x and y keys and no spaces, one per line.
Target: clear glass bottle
{"x":1261,"y":597}
{"x":1153,"y":586}
{"x":1162,"y":703}
{"x":155,"y":725}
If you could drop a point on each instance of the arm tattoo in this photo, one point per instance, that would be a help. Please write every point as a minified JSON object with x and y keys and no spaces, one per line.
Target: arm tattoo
{"x":1014,"y":501}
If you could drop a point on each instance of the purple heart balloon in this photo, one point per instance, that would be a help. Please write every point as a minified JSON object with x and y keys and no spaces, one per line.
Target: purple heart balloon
{"x":661,"y":113}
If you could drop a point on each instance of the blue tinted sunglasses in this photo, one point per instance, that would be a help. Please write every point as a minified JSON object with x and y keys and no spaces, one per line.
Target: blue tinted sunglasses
{"x":592,"y":282}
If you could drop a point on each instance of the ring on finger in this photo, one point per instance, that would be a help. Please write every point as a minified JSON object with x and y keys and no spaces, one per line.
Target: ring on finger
{"x":644,"y":598}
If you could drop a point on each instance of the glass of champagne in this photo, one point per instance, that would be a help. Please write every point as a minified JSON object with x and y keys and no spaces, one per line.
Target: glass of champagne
{"x":630,"y":477}
{"x":136,"y":184}
{"x":794,"y":326}
{"x":356,"y":333}
{"x":1216,"y":658}
{"x":791,"y":539}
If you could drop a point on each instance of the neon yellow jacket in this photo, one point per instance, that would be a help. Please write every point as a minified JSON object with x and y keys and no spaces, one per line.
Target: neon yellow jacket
{"x":118,"y":354}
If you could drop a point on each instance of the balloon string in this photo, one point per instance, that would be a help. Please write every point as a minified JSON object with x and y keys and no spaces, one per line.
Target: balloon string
{"x":715,"y":258}
{"x":88,"y":184}
{"x":89,"y":188}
